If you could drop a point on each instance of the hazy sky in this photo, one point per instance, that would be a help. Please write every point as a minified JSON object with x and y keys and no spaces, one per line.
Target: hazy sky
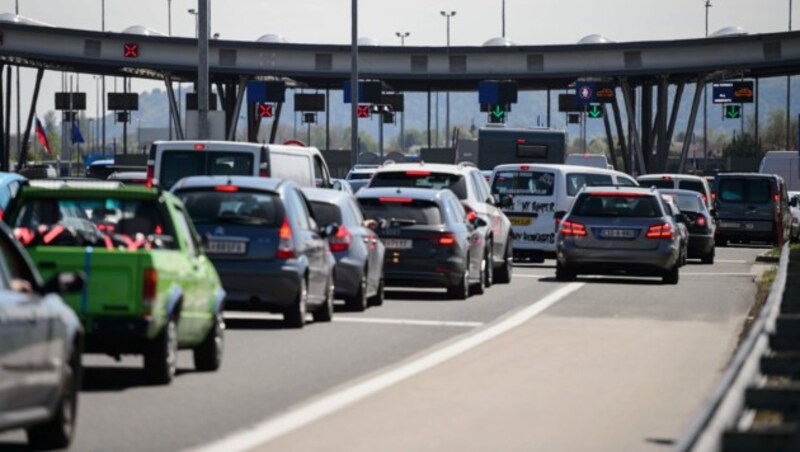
{"x":328,"y":21}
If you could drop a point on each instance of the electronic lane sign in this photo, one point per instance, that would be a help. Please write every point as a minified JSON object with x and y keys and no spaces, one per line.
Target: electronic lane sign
{"x":594,"y":92}
{"x":732,"y":111}
{"x":568,"y":103}
{"x":363,"y":111}
{"x":495,"y":92}
{"x":732,"y":93}
{"x":265,"y":110}
{"x":594,"y":111}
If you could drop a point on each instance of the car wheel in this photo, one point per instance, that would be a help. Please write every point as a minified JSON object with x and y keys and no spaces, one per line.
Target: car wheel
{"x":324,"y":313}
{"x":377,"y":299}
{"x":564,"y":274}
{"x":160,"y":362}
{"x":489,"y":270}
{"x":58,"y":431}
{"x":358,"y":302}
{"x":672,"y":276}
{"x":709,"y":259}
{"x":461,"y":290}
{"x":295,"y":316}
{"x":504,"y":273}
{"x":208,"y":355}
{"x":480,"y":287}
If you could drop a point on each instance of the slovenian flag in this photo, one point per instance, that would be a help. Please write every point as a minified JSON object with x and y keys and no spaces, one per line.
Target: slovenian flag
{"x":42,"y":136}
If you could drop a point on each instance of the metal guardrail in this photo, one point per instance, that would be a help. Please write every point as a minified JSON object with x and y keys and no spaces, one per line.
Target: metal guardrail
{"x":771,"y":349}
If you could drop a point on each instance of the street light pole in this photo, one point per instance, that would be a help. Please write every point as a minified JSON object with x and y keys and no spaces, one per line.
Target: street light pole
{"x":19,"y":104}
{"x":194,"y":12}
{"x":103,"y":81}
{"x":789,"y":93}
{"x":504,"y":18}
{"x":203,"y":86}
{"x":447,"y":15}
{"x":705,"y":104}
{"x":403,"y":35}
{"x":169,"y":32}
{"x":354,"y":82}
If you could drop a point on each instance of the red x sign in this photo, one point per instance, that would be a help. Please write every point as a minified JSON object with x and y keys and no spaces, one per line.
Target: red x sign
{"x":264,"y":110}
{"x":130,"y":50}
{"x":362,"y":111}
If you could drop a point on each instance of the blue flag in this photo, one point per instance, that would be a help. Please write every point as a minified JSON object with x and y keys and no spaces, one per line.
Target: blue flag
{"x":77,"y":137}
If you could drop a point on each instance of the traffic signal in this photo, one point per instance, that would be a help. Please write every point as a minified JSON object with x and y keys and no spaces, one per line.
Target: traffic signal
{"x":265,"y":110}
{"x":594,"y":111}
{"x":362,"y":111}
{"x":733,"y":111}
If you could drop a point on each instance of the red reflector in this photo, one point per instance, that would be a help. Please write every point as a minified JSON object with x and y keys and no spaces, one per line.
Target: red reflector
{"x":150,"y":176}
{"x":199,"y":147}
{"x":471,"y":215}
{"x":713,"y":196}
{"x":525,"y":167}
{"x":227,"y":188}
{"x":396,"y":200}
{"x":418,"y":173}
{"x":149,"y":289}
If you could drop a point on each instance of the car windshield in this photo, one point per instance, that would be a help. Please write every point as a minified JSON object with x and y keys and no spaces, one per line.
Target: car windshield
{"x":175,"y":165}
{"x":421,"y":179}
{"x":402,"y":210}
{"x":534,"y":183}
{"x":741,"y":189}
{"x":245,"y":208}
{"x":326,"y":213}
{"x":616,"y":205}
{"x":108,"y":222}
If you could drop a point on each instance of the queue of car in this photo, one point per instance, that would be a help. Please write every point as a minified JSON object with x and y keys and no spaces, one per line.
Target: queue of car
{"x":132,"y":268}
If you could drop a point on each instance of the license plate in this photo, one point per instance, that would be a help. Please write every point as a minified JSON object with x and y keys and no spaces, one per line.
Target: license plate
{"x":729,"y":225}
{"x":226,"y":247}
{"x":521,"y":221}
{"x":397,"y":244}
{"x":617,"y":233}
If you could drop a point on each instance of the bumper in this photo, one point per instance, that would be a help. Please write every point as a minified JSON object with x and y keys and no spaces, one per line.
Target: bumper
{"x":348,"y":273}
{"x":424,"y":274}
{"x":118,"y":335}
{"x":615,"y":261}
{"x":700,"y":245}
{"x":746,"y":230}
{"x":264,"y":286}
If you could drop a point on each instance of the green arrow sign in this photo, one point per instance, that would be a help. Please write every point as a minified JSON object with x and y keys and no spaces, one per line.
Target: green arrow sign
{"x":595,"y":111}
{"x":733,"y":111}
{"x":498,"y":112}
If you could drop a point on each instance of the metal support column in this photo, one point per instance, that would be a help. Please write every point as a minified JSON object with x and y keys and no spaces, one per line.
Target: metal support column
{"x":173,"y":107}
{"x":429,"y":117}
{"x":636,"y":145}
{"x":327,"y":119}
{"x":662,"y":143}
{"x":687,"y":140}
{"x":3,"y":130}
{"x":612,"y":149}
{"x":623,"y":146}
{"x":676,"y":107}
{"x":237,"y":108}
{"x":124,"y":124}
{"x":757,"y":137}
{"x":7,"y":122}
{"x":646,"y":144}
{"x":275,"y":122}
{"x":549,"y":100}
{"x":203,"y":86}
{"x":23,"y":154}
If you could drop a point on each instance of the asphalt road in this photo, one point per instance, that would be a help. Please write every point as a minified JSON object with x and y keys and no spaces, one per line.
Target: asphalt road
{"x":623,"y":361}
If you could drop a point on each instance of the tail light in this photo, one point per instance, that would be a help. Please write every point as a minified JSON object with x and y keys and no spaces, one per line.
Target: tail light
{"x":701,"y":221}
{"x":471,"y":215}
{"x":150,"y":176}
{"x":573,"y":229}
{"x":705,"y":199}
{"x":713,"y":196}
{"x":447,"y":239}
{"x":263,"y":173}
{"x":149,"y":290}
{"x":660,"y":231}
{"x":226,"y":188}
{"x":285,"y":241}
{"x":341,"y":240}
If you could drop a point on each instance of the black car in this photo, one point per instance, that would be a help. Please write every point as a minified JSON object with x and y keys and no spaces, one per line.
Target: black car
{"x":357,"y":249}
{"x":268,"y":249}
{"x":429,"y":240}
{"x":41,"y":341}
{"x":699,"y":221}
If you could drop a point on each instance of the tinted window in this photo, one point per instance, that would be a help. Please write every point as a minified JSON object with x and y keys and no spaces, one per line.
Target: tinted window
{"x":175,"y":165}
{"x":692,"y":185}
{"x":658,"y":183}
{"x":633,"y":206}
{"x":326,"y":213}
{"x":576,"y":181}
{"x":745,"y":190}
{"x":535,"y":183}
{"x":230,"y":164}
{"x":242,"y":208}
{"x":688,"y":203}
{"x":626,"y":182}
{"x":416,"y":211}
{"x":421,"y":179}
{"x":359,"y":176}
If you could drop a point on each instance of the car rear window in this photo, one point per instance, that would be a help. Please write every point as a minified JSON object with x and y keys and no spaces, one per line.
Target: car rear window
{"x":616,"y":205}
{"x":534,"y":183}
{"x":102,"y":222}
{"x":687,"y":203}
{"x":244,"y":208}
{"x":359,"y":176}
{"x":175,"y":165}
{"x":576,"y":181}
{"x":413,"y":211}
{"x":326,"y":213}
{"x":742,"y":189}
{"x":658,"y":183}
{"x":421,"y":179}
{"x":692,"y":185}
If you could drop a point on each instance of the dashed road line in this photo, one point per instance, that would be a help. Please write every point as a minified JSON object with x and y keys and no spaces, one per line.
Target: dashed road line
{"x":407,"y":322}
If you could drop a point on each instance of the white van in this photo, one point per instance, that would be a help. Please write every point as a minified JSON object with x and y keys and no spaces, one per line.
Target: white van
{"x":170,"y":161}
{"x":532,"y":196}
{"x":785,"y":164}
{"x":590,"y":160}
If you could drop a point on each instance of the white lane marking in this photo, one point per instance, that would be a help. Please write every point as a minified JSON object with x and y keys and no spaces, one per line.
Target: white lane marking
{"x":302,"y":416}
{"x":517,"y":275}
{"x":407,"y":322}
{"x":716,"y":274}
{"x":730,"y":261}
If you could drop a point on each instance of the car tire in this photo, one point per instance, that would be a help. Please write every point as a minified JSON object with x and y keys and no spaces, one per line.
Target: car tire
{"x":208,"y":355}
{"x":708,"y":259}
{"x":358,"y":302}
{"x":672,"y":276}
{"x":377,"y":299}
{"x":324,"y":313}
{"x":295,"y":315}
{"x":161,"y":360}
{"x":504,"y":273}
{"x":58,"y":431}
{"x":564,"y":274}
{"x":461,"y":290}
{"x":480,"y":287}
{"x":489,"y":270}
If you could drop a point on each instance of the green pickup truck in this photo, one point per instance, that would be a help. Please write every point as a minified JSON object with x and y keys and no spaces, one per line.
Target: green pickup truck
{"x":149,"y":289}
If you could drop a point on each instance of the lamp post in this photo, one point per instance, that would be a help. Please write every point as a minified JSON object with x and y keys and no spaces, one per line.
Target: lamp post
{"x":403,"y":35}
{"x":193,"y":12}
{"x":789,"y":93}
{"x":354,"y":81}
{"x":705,"y":104}
{"x":504,"y":19}
{"x":447,"y":15}
{"x":103,"y":78}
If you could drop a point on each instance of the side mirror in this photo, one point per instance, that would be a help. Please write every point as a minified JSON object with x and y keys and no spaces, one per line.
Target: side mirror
{"x":329,"y":230}
{"x":337,"y":185}
{"x":505,"y":201}
{"x":64,"y":283}
{"x":371,"y":224}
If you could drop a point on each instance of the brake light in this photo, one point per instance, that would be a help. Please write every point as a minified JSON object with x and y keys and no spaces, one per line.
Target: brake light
{"x":396,"y":200}
{"x":447,"y":239}
{"x":150,"y":176}
{"x":713,"y":196}
{"x":418,"y":173}
{"x":667,"y":178}
{"x":705,"y":199}
{"x":521,"y":141}
{"x":573,"y":229}
{"x":525,"y":167}
{"x":660,"y":231}
{"x":777,"y":197}
{"x":149,"y":290}
{"x":285,"y":241}
{"x":471,"y":215}
{"x":617,"y":194}
{"x":263,"y":173}
{"x":227,"y":188}
{"x":199,"y":147}
{"x":701,"y":221}
{"x":341,"y":240}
